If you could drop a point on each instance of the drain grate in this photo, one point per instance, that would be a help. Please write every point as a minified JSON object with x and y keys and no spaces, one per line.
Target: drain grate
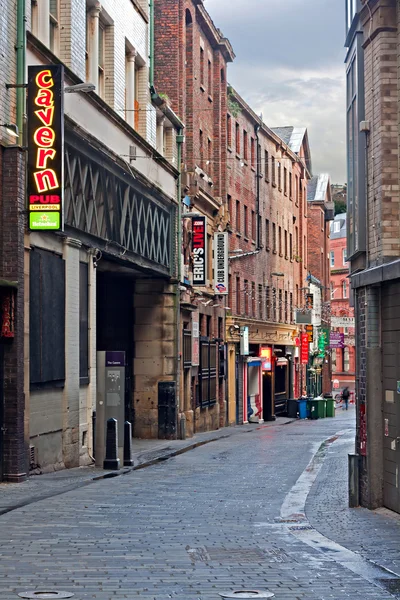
{"x":246,"y":594}
{"x":236,"y":555}
{"x":301,"y":528}
{"x":45,"y":594}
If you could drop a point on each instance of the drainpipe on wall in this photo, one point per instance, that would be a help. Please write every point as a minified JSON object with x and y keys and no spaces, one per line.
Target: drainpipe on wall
{"x":21,"y":64}
{"x":256,"y":130}
{"x":180,"y":138}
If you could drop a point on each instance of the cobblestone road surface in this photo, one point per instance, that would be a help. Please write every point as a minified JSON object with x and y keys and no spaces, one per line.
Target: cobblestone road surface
{"x":209,"y":521}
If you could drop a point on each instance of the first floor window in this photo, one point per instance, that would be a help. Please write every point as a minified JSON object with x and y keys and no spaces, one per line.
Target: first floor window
{"x":47,"y":318}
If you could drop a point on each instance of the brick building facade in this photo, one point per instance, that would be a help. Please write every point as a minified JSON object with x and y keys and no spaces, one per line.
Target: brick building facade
{"x":320,"y":213}
{"x":343,"y":359}
{"x":12,"y":204}
{"x":191,"y":57}
{"x":267,"y":208}
{"x":107,"y":282}
{"x":373,"y":246}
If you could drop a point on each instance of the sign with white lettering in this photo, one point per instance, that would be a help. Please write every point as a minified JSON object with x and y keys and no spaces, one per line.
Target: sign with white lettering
{"x":199,"y":248}
{"x":45,"y":115}
{"x":195,"y":340}
{"x":244,"y":341}
{"x":221,"y":263}
{"x":343,"y":322}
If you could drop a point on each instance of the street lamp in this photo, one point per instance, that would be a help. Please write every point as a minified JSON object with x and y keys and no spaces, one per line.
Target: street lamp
{"x":11,"y":128}
{"x":79,"y":87}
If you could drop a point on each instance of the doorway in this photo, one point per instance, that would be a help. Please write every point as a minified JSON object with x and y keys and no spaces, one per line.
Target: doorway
{"x":115,"y":325}
{"x":267,"y":395}
{"x":1,"y":410}
{"x":391,"y":407}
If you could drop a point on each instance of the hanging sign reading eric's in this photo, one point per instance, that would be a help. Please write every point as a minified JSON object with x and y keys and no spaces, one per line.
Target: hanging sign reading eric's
{"x":199,"y":249}
{"x":45,"y":114}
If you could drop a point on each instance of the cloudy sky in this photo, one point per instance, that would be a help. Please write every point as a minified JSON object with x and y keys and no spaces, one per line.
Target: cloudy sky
{"x":289,"y":67}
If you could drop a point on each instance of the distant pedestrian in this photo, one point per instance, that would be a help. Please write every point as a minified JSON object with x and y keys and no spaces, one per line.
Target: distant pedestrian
{"x":346,"y":396}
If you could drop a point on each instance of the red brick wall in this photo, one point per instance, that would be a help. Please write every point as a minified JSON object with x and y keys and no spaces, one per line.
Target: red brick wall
{"x":179,"y":36}
{"x":12,"y":205}
{"x":341,"y":307}
{"x":278,"y":208}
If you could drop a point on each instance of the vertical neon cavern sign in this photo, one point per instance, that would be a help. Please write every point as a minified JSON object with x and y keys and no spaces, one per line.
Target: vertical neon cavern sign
{"x":45,"y":113}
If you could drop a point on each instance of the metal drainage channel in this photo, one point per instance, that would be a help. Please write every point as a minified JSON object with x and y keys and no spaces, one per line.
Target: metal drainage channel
{"x":45,"y":594}
{"x":246,"y":594}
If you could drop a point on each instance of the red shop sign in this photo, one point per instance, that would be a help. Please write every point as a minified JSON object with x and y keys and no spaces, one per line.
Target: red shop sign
{"x":304,"y":349}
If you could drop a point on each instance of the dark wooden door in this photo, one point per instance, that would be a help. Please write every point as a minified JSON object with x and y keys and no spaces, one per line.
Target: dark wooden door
{"x":391,"y":402}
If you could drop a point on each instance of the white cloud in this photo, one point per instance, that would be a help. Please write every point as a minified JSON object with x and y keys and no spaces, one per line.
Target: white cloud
{"x":289,"y":66}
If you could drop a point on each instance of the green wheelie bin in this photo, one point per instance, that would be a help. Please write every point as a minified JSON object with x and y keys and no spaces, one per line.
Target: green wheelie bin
{"x":321,"y":408}
{"x":314,"y":408}
{"x":330,"y":407}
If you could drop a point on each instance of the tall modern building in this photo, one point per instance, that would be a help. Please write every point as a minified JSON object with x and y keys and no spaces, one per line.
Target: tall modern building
{"x":373,"y":240}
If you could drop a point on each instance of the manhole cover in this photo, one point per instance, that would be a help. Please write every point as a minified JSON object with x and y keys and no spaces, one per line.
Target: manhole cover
{"x":236,"y":555}
{"x":45,"y":594}
{"x":244,"y":594}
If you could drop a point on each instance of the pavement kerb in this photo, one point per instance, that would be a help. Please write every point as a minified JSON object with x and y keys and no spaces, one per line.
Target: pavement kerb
{"x":146,"y":463}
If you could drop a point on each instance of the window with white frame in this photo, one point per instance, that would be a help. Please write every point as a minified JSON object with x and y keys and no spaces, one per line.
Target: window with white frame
{"x":336,"y":227}
{"x":97,"y":39}
{"x":54,"y":26}
{"x":344,"y":288}
{"x":334,"y":369}
{"x":34,"y":17}
{"x":346,"y":360}
{"x":332,"y":258}
{"x":344,"y":253}
{"x":332,"y":290}
{"x":101,"y":59}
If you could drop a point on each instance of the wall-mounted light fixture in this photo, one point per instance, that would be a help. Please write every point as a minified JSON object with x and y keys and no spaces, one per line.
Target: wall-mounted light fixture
{"x":11,"y":128}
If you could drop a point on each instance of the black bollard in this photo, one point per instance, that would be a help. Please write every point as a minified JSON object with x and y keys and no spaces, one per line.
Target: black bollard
{"x":111,"y":460}
{"x":128,"y":462}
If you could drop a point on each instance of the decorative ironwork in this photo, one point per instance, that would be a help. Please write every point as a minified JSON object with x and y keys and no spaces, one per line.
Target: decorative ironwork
{"x":104,"y":205}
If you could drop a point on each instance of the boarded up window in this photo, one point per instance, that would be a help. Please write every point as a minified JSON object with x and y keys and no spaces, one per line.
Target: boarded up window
{"x":47,"y":318}
{"x":83,"y":321}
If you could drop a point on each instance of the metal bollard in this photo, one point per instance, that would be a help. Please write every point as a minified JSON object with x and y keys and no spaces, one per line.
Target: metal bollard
{"x":111,"y":460}
{"x":354,"y":494}
{"x":128,"y":462}
{"x":94,"y":433}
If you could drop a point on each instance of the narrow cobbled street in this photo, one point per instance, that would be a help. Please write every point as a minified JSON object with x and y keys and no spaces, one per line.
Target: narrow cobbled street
{"x":264,"y":510}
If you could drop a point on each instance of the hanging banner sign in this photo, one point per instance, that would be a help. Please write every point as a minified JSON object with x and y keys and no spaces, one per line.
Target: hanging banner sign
{"x":195,"y":340}
{"x":304,"y":349}
{"x":45,"y":116}
{"x":336,"y":340}
{"x":310,"y":333}
{"x":221,"y":263}
{"x":323,"y":336}
{"x":244,"y":341}
{"x":199,"y":249}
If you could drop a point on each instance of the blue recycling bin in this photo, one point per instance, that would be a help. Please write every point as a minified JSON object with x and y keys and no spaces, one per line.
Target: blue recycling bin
{"x":303,"y":408}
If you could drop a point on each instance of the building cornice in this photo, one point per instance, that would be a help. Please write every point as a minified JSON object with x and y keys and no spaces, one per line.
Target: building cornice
{"x":214,"y":35}
{"x":49,"y":58}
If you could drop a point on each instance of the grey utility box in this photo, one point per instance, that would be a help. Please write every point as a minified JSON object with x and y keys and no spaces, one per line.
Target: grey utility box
{"x":110,"y":402}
